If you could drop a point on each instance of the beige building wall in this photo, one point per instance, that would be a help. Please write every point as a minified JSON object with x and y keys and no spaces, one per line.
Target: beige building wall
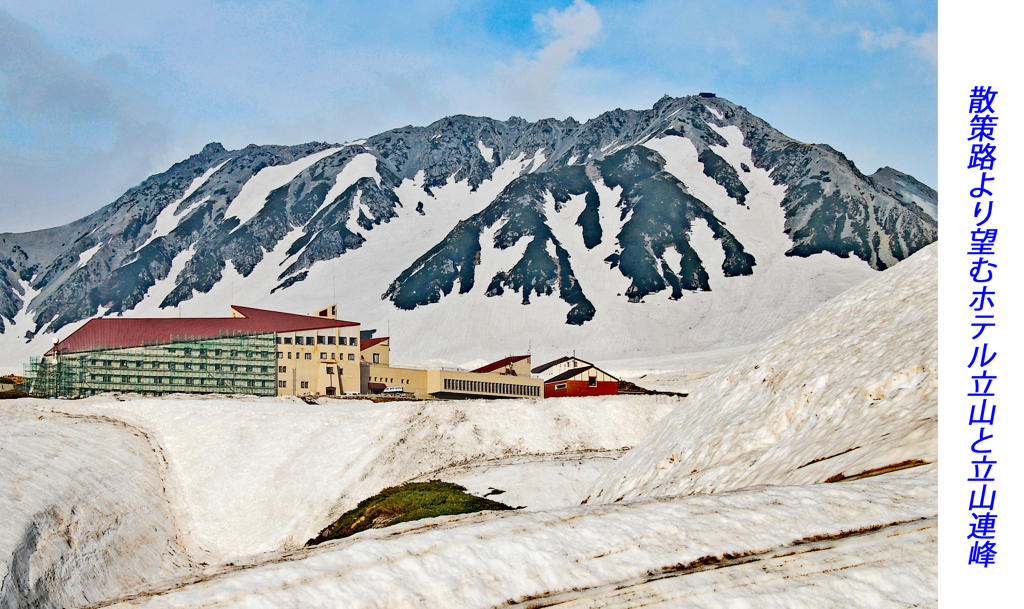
{"x":411,"y":380}
{"x":379,"y":353}
{"x":318,"y":362}
{"x":453,"y":384}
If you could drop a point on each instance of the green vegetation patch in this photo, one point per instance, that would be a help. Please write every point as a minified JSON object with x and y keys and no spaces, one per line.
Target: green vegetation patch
{"x":405,"y":503}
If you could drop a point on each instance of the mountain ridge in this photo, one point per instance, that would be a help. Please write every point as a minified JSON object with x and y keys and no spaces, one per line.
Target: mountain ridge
{"x":221,"y":213}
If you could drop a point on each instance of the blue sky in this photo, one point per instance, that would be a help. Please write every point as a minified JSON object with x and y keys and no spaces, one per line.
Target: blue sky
{"x":96,"y":96}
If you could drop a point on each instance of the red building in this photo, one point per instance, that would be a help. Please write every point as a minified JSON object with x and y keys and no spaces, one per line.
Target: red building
{"x":572,"y":376}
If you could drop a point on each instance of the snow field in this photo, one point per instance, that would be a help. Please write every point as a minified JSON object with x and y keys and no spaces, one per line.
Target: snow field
{"x":851,"y":387}
{"x":497,"y":558}
{"x":245,"y":476}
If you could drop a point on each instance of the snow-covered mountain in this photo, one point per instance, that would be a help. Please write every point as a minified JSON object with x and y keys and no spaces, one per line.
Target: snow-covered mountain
{"x":688,"y":226}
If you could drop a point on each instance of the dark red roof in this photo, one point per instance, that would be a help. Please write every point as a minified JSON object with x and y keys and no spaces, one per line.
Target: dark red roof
{"x":568,"y":374}
{"x":501,"y":363}
{"x":560,"y":360}
{"x":122,"y":332}
{"x":366,"y":343}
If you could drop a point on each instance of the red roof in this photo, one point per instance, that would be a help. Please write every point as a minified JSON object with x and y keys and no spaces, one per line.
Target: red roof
{"x":560,"y":360}
{"x":501,"y":363}
{"x":121,"y":332}
{"x":568,"y":374}
{"x":366,"y":343}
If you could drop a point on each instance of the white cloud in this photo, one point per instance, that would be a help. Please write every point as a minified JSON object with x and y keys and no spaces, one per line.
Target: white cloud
{"x":532,"y":84}
{"x":926,"y":44}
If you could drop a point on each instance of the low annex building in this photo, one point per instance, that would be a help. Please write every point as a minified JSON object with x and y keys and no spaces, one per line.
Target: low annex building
{"x":571,"y":376}
{"x":254,"y":351}
{"x":501,"y":379}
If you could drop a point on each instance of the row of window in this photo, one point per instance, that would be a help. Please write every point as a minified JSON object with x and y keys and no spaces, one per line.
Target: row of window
{"x":323,"y":356}
{"x":189,"y":352}
{"x":171,"y":380}
{"x":302,"y":385}
{"x":330,"y":370}
{"x":320,"y":340}
{"x":381,"y":379}
{"x":181,"y":366}
{"x":488,"y":387}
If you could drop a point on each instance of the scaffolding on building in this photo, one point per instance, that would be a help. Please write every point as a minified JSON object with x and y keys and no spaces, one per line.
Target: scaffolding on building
{"x":241,"y":363}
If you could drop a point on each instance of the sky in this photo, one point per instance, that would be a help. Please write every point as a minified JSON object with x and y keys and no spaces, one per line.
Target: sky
{"x":97,"y":96}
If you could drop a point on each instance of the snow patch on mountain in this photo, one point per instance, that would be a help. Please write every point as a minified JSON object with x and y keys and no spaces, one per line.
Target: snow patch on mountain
{"x":171,"y":216}
{"x":361,"y":166}
{"x":493,"y":260}
{"x":86,"y":256}
{"x":255,"y":191}
{"x":487,"y":153}
{"x":150,"y":305}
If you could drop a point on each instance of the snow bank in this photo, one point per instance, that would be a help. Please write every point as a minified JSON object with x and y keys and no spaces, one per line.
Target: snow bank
{"x":851,"y":387}
{"x":253,"y":475}
{"x":82,"y":509}
{"x":587,"y":554}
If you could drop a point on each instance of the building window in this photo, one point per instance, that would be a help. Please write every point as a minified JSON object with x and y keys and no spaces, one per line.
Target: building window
{"x":282,"y":368}
{"x":124,"y":364}
{"x":188,"y":351}
{"x":252,"y":383}
{"x":305,"y":385}
{"x":376,"y":358}
{"x":310,"y":340}
{"x":125,"y":379}
{"x":330,"y":370}
{"x":332,"y":356}
{"x":282,"y":383}
{"x":216,"y":352}
{"x":593,"y":381}
{"x":353,"y":341}
{"x":202,"y":366}
{"x":330,"y":340}
{"x":188,"y":366}
{"x":279,"y":340}
{"x":139,"y":364}
{"x":321,"y":340}
{"x":351,"y":356}
{"x":216,"y":366}
{"x":289,"y":355}
{"x":189,"y":381}
{"x":559,"y":386}
{"x":234,"y":353}
{"x":280,"y":355}
{"x":323,"y":355}
{"x":287,"y":340}
{"x":170,"y":365}
{"x":309,"y":356}
{"x":342,"y":341}
{"x":263,"y":368}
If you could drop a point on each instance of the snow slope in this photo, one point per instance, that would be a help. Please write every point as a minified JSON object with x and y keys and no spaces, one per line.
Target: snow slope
{"x":252,"y":475}
{"x":82,"y":509}
{"x":587,"y":554}
{"x":849,"y":388}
